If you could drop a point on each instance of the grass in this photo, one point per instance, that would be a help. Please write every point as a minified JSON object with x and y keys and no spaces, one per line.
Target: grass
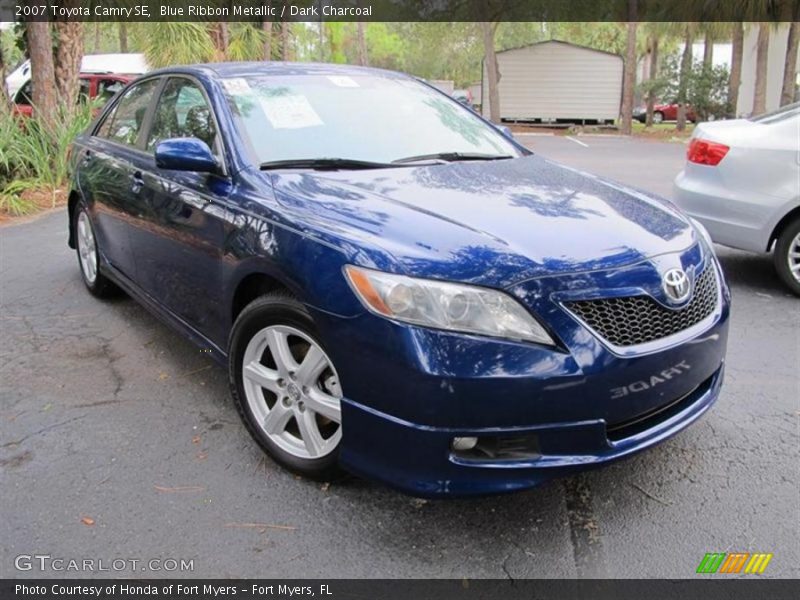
{"x":663,"y":131}
{"x":33,"y":159}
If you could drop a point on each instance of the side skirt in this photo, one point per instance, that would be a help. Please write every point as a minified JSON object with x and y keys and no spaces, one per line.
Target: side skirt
{"x":163,"y":314}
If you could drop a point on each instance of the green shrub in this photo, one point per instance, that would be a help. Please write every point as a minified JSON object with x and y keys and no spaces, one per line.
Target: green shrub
{"x":33,"y":155}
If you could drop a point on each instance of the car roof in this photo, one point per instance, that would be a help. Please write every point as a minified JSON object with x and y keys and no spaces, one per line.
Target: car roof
{"x":96,"y":75}
{"x":242,"y":69}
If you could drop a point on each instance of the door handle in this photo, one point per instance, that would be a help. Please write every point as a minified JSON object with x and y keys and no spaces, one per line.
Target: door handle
{"x":138,"y":182}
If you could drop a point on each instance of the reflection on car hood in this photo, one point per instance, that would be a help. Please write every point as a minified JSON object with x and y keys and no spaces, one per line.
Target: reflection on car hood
{"x":491,"y":223}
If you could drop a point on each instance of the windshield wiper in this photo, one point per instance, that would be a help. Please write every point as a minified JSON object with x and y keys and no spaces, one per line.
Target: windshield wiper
{"x":323,"y":164}
{"x":452,"y":157}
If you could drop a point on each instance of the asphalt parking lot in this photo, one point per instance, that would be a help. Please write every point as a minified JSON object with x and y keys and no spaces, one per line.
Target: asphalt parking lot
{"x":118,"y":440}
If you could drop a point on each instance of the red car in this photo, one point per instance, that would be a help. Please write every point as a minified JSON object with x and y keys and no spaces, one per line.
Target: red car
{"x":664,"y":112}
{"x":92,"y":85}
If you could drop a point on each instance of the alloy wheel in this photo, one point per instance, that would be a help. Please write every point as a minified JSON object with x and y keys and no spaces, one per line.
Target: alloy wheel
{"x":87,"y":249}
{"x":293,"y":391}
{"x":793,"y":257}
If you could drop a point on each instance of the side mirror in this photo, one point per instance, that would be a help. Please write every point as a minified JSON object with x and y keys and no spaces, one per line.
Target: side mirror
{"x":186,"y":154}
{"x":505,"y":131}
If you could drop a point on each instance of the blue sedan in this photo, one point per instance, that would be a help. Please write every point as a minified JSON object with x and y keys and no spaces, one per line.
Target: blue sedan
{"x":397,"y":287}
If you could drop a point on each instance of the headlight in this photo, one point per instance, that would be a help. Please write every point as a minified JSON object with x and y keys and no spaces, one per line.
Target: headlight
{"x":441,"y":305}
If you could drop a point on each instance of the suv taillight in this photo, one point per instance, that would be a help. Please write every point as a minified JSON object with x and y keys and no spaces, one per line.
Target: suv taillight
{"x":704,"y":152}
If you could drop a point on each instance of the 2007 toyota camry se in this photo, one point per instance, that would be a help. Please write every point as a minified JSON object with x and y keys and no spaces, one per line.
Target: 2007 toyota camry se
{"x":398,"y":288}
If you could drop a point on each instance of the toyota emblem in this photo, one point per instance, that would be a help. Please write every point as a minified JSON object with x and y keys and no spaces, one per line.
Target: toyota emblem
{"x":677,"y":285}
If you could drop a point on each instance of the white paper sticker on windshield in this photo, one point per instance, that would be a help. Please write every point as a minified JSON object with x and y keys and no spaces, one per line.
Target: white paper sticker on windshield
{"x":291,"y":111}
{"x":342,"y":81}
{"x":237,"y":85}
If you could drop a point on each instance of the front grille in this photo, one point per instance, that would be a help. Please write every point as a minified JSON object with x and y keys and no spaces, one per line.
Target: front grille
{"x":632,"y":320}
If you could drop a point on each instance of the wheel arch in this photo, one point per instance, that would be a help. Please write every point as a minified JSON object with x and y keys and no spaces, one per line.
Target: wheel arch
{"x":789,"y":217}
{"x":251,"y":286}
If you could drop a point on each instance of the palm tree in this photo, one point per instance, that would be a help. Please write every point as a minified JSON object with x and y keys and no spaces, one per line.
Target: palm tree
{"x":4,"y":99}
{"x":488,"y":30}
{"x":67,"y":64}
{"x":123,"y":36}
{"x":40,"y":48}
{"x":762,"y":58}
{"x":361,"y":39}
{"x":685,"y":72}
{"x":96,"y":47}
{"x":708,"y":48}
{"x":737,"y":49}
{"x":790,"y":64}
{"x":219,"y":35}
{"x":286,"y":40}
{"x":629,"y":79}
{"x":246,"y":41}
{"x":658,"y":33}
{"x":652,"y":45}
{"x":167,"y":43}
{"x":266,"y":28}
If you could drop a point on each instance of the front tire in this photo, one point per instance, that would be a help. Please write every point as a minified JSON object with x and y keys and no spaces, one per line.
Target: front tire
{"x":88,"y":257}
{"x":285,"y":386}
{"x":787,"y":256}
{"x":658,"y":117}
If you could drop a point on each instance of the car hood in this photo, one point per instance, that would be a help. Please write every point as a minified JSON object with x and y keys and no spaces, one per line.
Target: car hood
{"x":490,"y":222}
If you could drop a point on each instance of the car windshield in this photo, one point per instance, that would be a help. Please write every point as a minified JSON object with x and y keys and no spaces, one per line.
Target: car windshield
{"x":783,"y":113}
{"x":366,"y":117}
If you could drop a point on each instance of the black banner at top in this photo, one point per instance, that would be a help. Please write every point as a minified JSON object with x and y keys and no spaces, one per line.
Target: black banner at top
{"x":398,"y":10}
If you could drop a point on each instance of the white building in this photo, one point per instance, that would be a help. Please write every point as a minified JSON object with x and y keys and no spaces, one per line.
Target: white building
{"x":557,"y":80}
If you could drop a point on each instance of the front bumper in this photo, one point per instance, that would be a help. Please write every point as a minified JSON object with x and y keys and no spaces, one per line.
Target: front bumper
{"x":409,"y":391}
{"x":418,"y":460}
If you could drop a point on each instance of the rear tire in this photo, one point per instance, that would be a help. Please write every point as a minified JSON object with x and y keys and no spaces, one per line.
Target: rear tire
{"x":787,"y":256}
{"x":658,"y":117}
{"x":89,"y":257}
{"x":285,"y":386}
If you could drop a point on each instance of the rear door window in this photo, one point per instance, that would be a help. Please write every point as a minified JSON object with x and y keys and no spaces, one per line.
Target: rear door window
{"x":124,"y":123}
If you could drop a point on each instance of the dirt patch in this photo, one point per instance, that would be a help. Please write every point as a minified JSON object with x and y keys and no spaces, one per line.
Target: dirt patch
{"x":36,"y":200}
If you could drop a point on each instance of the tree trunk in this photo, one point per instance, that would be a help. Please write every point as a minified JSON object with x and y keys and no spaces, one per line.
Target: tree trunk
{"x":492,"y":69}
{"x":708,"y":51}
{"x":5,"y":102}
{"x":683,"y":84}
{"x":629,"y":81}
{"x":96,"y":47}
{"x":123,"y":36}
{"x":737,"y":47}
{"x":361,"y":36}
{"x":219,"y":35}
{"x":266,"y":26}
{"x":286,"y":41}
{"x":762,"y":56}
{"x":790,"y":65}
{"x":67,"y":64}
{"x":651,"y":95}
{"x":40,"y":47}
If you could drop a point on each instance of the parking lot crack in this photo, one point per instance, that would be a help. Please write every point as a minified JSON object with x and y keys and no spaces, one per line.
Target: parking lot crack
{"x":15,"y":443}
